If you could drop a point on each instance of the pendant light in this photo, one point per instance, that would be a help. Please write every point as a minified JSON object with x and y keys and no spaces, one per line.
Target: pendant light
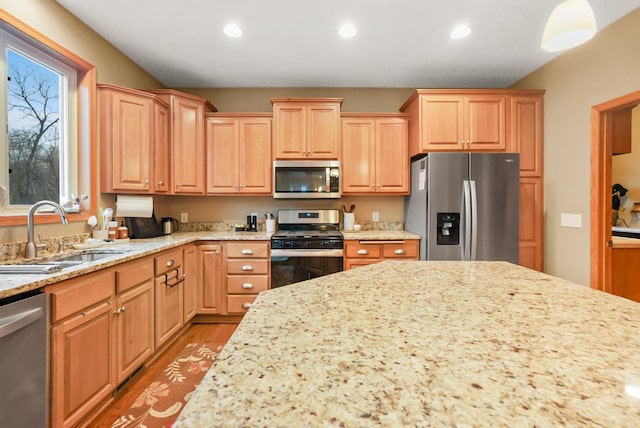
{"x":571,"y":24}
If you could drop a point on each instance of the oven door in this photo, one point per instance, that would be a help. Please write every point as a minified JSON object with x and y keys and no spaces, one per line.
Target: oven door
{"x":291,"y":266}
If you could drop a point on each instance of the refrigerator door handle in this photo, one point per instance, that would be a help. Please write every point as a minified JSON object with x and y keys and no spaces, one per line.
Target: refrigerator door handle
{"x":466,"y":251}
{"x":474,"y":221}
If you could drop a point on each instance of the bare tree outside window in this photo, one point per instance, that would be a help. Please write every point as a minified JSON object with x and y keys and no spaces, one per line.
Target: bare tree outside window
{"x":33,"y":130}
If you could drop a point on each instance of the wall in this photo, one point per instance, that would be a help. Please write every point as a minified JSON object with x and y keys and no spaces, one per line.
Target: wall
{"x":626,"y":171}
{"x":604,"y":68}
{"x":52,"y":20}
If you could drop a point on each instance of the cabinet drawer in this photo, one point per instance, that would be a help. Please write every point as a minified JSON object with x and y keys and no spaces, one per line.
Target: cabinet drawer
{"x":405,"y":250}
{"x":254,"y":250}
{"x":239,"y":304}
{"x":167,"y":261}
{"x":360,"y":250}
{"x":133,"y":273}
{"x":80,"y":293}
{"x":247,"y":284}
{"x":248,"y":266}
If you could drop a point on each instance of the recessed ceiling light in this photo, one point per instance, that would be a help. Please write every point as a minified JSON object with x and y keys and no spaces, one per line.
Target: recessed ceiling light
{"x":460,"y":32}
{"x":347,"y":31}
{"x":232,"y":30}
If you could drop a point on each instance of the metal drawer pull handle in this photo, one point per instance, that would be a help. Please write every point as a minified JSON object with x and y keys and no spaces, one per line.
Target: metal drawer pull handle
{"x":247,"y":268}
{"x":363,"y":252}
{"x":177,"y":278}
{"x":246,"y":305}
{"x":119,"y":310}
{"x":400,"y":251}
{"x":247,"y":285}
{"x":170,"y":262}
{"x":247,"y":252}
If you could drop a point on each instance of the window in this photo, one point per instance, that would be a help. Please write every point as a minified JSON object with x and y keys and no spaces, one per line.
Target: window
{"x":38,"y":153}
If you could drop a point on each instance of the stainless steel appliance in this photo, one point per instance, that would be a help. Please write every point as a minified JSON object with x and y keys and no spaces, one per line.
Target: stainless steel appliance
{"x":306,"y":179}
{"x":465,"y":206}
{"x":307,"y":244}
{"x":169,"y":225}
{"x":24,"y":361}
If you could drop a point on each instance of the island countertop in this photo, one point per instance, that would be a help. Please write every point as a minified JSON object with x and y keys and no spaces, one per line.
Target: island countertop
{"x":438,"y":343}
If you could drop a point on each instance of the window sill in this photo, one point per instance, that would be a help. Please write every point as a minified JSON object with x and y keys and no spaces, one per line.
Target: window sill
{"x":21,"y":220}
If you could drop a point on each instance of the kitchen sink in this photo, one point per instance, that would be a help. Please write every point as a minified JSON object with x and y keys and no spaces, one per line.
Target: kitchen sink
{"x":58,"y":263}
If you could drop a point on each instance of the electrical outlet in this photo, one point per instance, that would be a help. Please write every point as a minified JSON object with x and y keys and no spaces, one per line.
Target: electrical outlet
{"x":184,"y":217}
{"x":571,"y":220}
{"x":375,"y":216}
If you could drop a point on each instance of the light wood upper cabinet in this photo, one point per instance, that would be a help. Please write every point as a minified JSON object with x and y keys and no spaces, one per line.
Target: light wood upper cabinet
{"x":454,"y":120}
{"x":306,"y":128}
{"x":374,"y":154}
{"x":238,"y":154}
{"x":161,"y":149}
{"x":186,"y":131}
{"x":125,"y":129}
{"x":526,"y":133}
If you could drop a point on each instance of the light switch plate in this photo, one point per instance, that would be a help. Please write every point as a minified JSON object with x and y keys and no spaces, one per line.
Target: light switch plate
{"x":571,"y":220}
{"x":375,"y":216}
{"x":184,"y":217}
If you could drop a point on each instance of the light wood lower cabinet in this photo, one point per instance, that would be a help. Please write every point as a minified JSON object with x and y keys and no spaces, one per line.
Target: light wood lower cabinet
{"x":248,"y":268}
{"x":190,"y":286}
{"x":169,"y":294}
{"x":134,"y":316}
{"x":209,"y":278}
{"x":82,"y":338}
{"x":366,"y":252}
{"x":625,"y":268}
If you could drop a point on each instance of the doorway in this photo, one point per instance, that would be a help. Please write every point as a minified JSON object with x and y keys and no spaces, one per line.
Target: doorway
{"x":603,"y":118}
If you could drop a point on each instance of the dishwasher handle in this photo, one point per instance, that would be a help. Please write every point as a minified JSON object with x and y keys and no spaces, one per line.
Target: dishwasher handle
{"x":15,"y":322}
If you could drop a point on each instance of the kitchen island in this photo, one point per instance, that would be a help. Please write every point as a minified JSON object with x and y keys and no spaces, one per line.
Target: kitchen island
{"x":427,"y":344}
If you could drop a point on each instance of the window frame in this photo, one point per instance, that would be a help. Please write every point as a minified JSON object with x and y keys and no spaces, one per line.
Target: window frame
{"x":84,"y":125}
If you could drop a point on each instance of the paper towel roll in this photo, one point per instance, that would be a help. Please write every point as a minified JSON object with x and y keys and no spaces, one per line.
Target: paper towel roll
{"x":134,"y":206}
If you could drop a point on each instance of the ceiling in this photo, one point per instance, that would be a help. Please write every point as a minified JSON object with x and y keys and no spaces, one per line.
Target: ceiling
{"x":294,"y":43}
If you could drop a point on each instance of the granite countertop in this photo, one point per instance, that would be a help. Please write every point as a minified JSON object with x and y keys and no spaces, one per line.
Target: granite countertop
{"x":13,"y":284}
{"x":382,"y":235}
{"x":437,"y":343}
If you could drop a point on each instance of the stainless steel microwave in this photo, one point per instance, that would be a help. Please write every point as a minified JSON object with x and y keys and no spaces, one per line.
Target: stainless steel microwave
{"x":301,"y":179}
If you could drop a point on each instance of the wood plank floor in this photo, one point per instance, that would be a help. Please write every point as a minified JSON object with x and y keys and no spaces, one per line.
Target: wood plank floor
{"x":197,"y":333}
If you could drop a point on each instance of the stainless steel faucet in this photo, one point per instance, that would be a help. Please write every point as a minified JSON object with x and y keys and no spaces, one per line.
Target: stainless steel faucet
{"x":32,"y":247}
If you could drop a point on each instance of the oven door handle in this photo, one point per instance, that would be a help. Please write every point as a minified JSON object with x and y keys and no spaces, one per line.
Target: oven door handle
{"x":307,"y":253}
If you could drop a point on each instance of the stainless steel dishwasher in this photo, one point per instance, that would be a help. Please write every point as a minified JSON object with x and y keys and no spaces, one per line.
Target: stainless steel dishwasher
{"x":24,"y":361}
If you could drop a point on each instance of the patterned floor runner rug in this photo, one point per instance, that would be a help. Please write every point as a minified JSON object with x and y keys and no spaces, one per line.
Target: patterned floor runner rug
{"x":159,"y":405}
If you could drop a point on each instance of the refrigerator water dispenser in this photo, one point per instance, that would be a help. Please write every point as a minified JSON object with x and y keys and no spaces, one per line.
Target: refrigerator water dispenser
{"x":448,"y":228}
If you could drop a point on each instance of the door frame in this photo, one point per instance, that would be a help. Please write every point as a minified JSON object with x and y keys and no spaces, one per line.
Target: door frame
{"x":601,"y":169}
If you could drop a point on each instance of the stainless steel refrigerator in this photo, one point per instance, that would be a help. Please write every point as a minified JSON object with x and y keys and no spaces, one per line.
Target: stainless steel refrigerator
{"x":465,"y":206}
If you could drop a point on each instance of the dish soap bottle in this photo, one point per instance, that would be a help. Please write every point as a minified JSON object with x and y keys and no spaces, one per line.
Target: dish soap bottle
{"x":113,"y":230}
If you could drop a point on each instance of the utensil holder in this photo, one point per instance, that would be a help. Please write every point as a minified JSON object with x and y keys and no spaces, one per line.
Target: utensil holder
{"x":349,"y":220}
{"x":270,"y":225}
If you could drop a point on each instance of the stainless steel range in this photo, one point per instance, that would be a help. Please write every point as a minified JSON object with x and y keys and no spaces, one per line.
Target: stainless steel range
{"x":307,"y":244}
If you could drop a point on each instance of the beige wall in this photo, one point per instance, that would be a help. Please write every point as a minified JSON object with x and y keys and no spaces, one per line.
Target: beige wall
{"x":606,"y":67}
{"x":626,"y":171}
{"x":52,"y":20}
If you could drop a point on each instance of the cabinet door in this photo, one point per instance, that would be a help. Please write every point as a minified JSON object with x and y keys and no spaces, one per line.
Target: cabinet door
{"x":134,"y":329}
{"x":190,"y":282}
{"x":161,"y":149}
{"x":441,"y":123}
{"x":526,"y":134}
{"x":187,"y":145}
{"x":210,"y":278}
{"x":169,"y":308}
{"x":255,"y":167}
{"x":392,"y":156}
{"x":486,"y":122}
{"x":289,"y":131}
{"x":625,"y":273}
{"x":531,"y":253}
{"x":130,"y":126}
{"x":81,"y":364}
{"x":323,"y":131}
{"x":358,"y":155}
{"x":222,"y":155}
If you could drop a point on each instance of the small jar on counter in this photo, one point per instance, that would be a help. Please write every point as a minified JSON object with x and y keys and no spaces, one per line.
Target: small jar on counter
{"x":123,"y":232}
